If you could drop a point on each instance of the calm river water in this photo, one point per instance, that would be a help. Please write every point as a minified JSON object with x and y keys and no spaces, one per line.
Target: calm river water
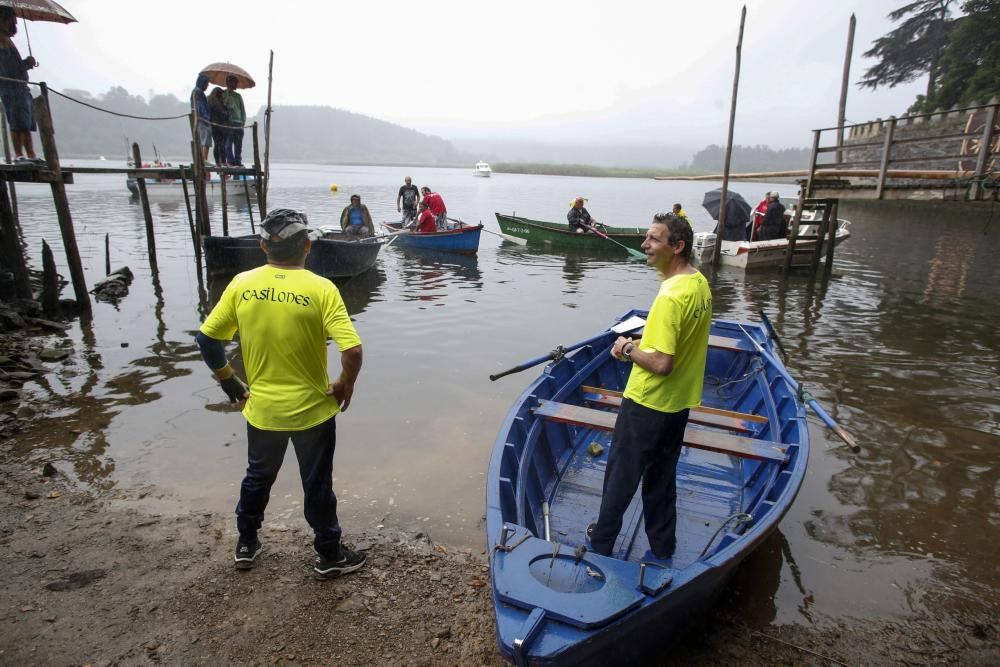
{"x":902,"y":344}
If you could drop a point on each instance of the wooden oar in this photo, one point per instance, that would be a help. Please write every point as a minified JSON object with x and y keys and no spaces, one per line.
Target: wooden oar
{"x":505,"y":237}
{"x":633,"y":254}
{"x":804,"y":395}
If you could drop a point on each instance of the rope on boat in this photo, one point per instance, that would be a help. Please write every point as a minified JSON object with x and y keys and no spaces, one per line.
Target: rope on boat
{"x":739,"y":517}
{"x":757,"y":365}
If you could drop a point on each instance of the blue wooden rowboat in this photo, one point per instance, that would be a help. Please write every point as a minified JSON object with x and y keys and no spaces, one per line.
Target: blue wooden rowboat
{"x":464,"y":239}
{"x":746,"y":455}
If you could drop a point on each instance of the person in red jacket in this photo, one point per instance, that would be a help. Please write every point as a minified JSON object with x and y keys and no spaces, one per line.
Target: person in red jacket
{"x":757,"y":217}
{"x":436,"y":206}
{"x":426,"y":223}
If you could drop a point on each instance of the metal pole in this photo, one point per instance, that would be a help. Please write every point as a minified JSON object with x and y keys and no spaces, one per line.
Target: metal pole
{"x":844,"y":84}
{"x":720,"y":226}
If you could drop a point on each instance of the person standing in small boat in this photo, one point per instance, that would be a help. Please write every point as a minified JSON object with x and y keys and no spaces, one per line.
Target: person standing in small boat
{"x":435,"y":203}
{"x":408,"y":196}
{"x":355,"y":219}
{"x":668,"y":368}
{"x":284,"y":315}
{"x":773,"y":225}
{"x":579,"y":218}
{"x":426,"y":223}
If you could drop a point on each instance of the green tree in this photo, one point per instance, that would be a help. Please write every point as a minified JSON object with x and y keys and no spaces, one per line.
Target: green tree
{"x":970,"y":66}
{"x":913,"y":49}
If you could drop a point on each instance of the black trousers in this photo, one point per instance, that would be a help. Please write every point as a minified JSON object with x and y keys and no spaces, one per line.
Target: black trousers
{"x":645,"y":447}
{"x":314,"y":449}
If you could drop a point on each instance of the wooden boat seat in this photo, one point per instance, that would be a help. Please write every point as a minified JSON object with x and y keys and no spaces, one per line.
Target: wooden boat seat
{"x":699,"y":438}
{"x":742,"y":422}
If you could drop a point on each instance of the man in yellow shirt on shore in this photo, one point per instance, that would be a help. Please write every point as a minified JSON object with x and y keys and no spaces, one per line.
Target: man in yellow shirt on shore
{"x":668,"y":369}
{"x":284,"y":315}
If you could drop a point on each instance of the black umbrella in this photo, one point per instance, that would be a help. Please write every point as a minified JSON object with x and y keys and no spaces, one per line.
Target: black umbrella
{"x":737,"y":213}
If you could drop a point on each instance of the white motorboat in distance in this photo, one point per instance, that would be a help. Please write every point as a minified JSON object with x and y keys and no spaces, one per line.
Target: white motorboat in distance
{"x":483,"y":169}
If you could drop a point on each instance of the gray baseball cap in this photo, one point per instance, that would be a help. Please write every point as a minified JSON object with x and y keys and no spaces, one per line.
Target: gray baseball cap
{"x":283,"y":223}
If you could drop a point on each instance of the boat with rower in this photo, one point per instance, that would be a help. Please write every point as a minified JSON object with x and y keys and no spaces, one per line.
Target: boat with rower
{"x":333,"y":254}
{"x":462,"y":238}
{"x":744,"y":459}
{"x":556,"y":234}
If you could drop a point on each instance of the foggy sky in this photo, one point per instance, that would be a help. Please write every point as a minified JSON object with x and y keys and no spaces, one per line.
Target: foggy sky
{"x":588,"y":72}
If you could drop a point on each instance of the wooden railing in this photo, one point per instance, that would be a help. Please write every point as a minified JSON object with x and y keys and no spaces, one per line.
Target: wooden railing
{"x":912,"y":140}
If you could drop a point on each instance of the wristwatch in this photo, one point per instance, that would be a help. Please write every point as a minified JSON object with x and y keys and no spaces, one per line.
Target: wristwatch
{"x":627,"y":350}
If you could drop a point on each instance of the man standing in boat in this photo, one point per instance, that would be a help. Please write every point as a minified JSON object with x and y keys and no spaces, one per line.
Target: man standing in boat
{"x":435,"y":203}
{"x":284,"y":315}
{"x":668,"y":368}
{"x":579,"y":218}
{"x":408,"y":196}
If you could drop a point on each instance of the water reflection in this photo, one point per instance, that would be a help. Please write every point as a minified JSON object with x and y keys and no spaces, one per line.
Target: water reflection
{"x":430,"y":275}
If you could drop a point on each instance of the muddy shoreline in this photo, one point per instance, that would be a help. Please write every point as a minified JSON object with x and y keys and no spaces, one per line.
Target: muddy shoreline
{"x":94,"y":579}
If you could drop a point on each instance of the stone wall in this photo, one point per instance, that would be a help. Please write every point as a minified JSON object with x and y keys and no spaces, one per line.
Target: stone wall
{"x":939,"y":124}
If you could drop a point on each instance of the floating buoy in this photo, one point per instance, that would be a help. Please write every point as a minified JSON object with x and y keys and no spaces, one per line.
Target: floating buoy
{"x":333,"y":187}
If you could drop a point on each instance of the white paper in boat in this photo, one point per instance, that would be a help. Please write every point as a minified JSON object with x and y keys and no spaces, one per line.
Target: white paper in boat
{"x":631,"y":324}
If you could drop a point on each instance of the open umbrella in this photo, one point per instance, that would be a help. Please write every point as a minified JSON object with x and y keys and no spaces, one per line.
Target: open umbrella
{"x":38,"y":10}
{"x":218,"y":72}
{"x":737,"y":213}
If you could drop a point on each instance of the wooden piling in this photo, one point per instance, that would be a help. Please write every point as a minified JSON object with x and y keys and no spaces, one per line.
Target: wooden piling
{"x":195,"y":240}
{"x":267,"y":131}
{"x":198,"y":166}
{"x":107,"y":254}
{"x":794,"y":234}
{"x":721,"y":224}
{"x":886,"y":149}
{"x":258,"y":176}
{"x":10,"y":184}
{"x":50,"y":282}
{"x":146,"y":213}
{"x":845,"y":83}
{"x":982,"y":160}
{"x":47,"y":135}
{"x":824,"y":227}
{"x":225,"y":205}
{"x":10,"y":235}
{"x":246,"y":191}
{"x":832,"y":237}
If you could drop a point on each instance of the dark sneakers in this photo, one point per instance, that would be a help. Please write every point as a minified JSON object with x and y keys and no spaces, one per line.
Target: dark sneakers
{"x":246,"y":553}
{"x":346,"y":561}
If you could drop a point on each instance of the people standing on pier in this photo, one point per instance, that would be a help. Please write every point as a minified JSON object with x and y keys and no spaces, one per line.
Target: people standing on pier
{"x":579,"y":218}
{"x":435,"y":203}
{"x":668,"y":368}
{"x":284,"y":315}
{"x":199,"y":105}
{"x":408,"y":196}
{"x":773,"y":223}
{"x":426,"y":223}
{"x":237,"y":119}
{"x":355,"y":220}
{"x":220,"y":132}
{"x":17,"y":101}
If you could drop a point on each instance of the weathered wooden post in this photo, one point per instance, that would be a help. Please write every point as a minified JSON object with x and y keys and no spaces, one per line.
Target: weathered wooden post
{"x":47,"y":134}
{"x":886,"y":150}
{"x":246,"y":191}
{"x":824,"y":227}
{"x":144,"y":200}
{"x":107,"y":254}
{"x":844,"y":84}
{"x":10,"y":184}
{"x":721,"y":224}
{"x":796,"y":220}
{"x":198,"y":165}
{"x":983,"y":159}
{"x":50,"y":282}
{"x":832,"y":238}
{"x":194,"y":230}
{"x":258,"y":176}
{"x":10,"y":234}
{"x":267,"y":130}
{"x":225,"y":204}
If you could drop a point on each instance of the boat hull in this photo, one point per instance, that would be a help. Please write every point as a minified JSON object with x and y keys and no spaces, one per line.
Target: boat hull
{"x":536,"y":232}
{"x":758,"y":254}
{"x":464,"y":240}
{"x":173,"y":190}
{"x":567,"y":618}
{"x":331,"y":258}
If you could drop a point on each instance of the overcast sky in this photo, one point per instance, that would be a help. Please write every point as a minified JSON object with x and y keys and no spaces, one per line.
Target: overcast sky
{"x":597,"y":72}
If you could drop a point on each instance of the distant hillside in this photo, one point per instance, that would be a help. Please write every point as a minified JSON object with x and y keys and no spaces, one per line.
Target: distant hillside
{"x":749,"y":159}
{"x":307,"y":133}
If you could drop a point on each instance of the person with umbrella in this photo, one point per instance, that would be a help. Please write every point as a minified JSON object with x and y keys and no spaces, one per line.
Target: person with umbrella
{"x":737,"y":213}
{"x":237,"y":119}
{"x":16,"y":98}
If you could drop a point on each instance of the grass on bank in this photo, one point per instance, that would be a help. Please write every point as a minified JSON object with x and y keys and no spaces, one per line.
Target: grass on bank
{"x":547,"y":169}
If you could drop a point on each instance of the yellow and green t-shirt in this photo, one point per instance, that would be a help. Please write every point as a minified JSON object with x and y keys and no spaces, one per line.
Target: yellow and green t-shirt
{"x":678,"y":325}
{"x":284,"y":317}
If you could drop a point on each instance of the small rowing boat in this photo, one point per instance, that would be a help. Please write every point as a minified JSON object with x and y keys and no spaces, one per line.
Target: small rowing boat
{"x":462,"y":239}
{"x":333,"y":254}
{"x":745,"y":455}
{"x":558,"y":234}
